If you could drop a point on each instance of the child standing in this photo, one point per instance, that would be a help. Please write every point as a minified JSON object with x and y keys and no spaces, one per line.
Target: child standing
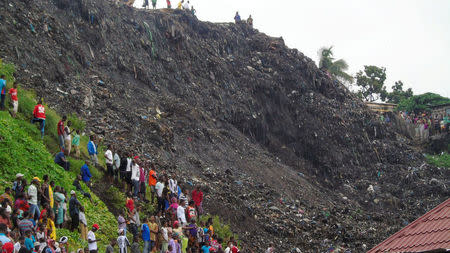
{"x":122,"y":242}
{"x":83,"y":224}
{"x":76,"y":143}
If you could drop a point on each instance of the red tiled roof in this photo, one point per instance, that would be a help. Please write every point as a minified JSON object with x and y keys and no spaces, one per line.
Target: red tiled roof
{"x":429,"y":232}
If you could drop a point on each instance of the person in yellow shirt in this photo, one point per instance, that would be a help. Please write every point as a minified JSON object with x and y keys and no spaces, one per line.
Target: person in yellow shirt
{"x":180,"y":4}
{"x":154,"y":229}
{"x":50,"y":194}
{"x":51,"y":225}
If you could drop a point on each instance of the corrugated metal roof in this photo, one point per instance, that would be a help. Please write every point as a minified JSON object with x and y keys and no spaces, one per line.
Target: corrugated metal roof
{"x":429,"y":232}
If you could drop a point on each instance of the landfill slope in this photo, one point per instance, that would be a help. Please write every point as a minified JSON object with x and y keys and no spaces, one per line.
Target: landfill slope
{"x":284,"y":153}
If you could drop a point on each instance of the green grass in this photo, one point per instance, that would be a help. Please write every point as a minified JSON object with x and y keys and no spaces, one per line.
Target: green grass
{"x":442,"y":160}
{"x":221,"y":229}
{"x":22,"y":150}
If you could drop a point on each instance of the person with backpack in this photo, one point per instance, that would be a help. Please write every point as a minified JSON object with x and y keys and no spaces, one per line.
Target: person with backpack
{"x":2,"y":91}
{"x":39,"y":116}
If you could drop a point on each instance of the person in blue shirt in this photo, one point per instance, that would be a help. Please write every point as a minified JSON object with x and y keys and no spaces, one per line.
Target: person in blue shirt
{"x":145,"y":232}
{"x":85,"y":172}
{"x":3,"y":229}
{"x":237,"y":18}
{"x":2,"y":91}
{"x":29,"y":243}
{"x":206,"y":248}
{"x":61,"y":160}
{"x":92,"y":150}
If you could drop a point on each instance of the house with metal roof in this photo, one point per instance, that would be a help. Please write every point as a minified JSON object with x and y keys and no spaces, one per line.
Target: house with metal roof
{"x":429,"y":233}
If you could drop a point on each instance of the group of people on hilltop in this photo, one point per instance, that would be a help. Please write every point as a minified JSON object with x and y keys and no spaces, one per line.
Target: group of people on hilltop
{"x":30,"y":215}
{"x":237,"y":19}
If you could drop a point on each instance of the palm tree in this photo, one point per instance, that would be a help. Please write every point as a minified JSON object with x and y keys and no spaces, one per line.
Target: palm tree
{"x":337,"y":68}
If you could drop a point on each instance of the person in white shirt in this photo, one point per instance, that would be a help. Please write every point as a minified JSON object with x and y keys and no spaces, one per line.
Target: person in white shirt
{"x":159,"y":187}
{"x":181,"y":214}
{"x":116,"y":164}
{"x":173,"y":185}
{"x":67,"y":137}
{"x":33,"y":198}
{"x":92,"y":241}
{"x":122,"y":242}
{"x":109,"y":163}
{"x":186,"y":5}
{"x":135,"y":173}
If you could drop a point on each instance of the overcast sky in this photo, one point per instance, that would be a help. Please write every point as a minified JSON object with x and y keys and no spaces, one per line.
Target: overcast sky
{"x":411,"y":38}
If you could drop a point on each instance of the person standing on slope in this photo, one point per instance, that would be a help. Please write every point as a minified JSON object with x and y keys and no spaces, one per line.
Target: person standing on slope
{"x":15,"y":101}
{"x":2,"y":91}
{"x":92,"y":150}
{"x":39,"y":116}
{"x":169,"y":5}
{"x":60,"y":128}
{"x":154,"y":4}
{"x":237,"y":18}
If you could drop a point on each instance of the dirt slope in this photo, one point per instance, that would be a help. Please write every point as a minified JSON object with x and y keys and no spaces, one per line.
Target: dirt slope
{"x":285,"y":153}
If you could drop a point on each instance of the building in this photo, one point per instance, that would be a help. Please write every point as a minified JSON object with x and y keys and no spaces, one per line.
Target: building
{"x":381,"y":107}
{"x":429,"y":233}
{"x":441,"y":109}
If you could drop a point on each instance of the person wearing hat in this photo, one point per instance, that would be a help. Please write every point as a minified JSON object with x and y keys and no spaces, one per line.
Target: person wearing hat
{"x":74,"y":210}
{"x":33,"y":198}
{"x":63,"y":243}
{"x":122,"y":241}
{"x":18,"y":185}
{"x":92,"y":241}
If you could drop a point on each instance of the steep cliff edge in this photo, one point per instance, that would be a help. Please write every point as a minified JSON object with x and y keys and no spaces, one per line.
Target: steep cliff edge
{"x":285,"y":153}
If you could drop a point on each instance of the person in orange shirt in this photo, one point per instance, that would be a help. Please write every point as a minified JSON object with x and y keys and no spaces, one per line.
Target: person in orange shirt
{"x":152,"y":181}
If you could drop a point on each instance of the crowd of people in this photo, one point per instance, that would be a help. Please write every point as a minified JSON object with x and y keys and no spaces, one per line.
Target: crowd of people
{"x":31,"y":213}
{"x":420,"y":125}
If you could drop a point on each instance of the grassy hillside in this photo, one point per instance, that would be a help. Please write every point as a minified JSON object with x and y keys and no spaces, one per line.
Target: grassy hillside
{"x":21,"y":150}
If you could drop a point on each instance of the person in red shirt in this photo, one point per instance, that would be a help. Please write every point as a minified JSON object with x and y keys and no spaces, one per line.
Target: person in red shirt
{"x":15,"y":101}
{"x":39,"y":116}
{"x":61,"y":131}
{"x":197,"y":196}
{"x":152,"y":181}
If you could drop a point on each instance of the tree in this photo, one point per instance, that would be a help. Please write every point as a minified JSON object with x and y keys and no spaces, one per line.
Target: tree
{"x":397,"y":94}
{"x":421,"y":103}
{"x":337,"y":68}
{"x":371,"y":82}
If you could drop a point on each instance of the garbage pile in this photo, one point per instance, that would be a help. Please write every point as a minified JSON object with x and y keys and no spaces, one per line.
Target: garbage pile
{"x":286,"y":154}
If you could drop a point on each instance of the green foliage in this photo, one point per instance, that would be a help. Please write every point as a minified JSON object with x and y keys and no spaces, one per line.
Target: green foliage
{"x":77,"y":123}
{"x":421,"y":103}
{"x":337,"y":68}
{"x":442,"y":160}
{"x":371,"y":82}
{"x":220,"y":228}
{"x":21,"y":150}
{"x":7,"y":70}
{"x":397,"y":94}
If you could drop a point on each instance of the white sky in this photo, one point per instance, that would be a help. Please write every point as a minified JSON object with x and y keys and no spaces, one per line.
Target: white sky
{"x":411,"y":38}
